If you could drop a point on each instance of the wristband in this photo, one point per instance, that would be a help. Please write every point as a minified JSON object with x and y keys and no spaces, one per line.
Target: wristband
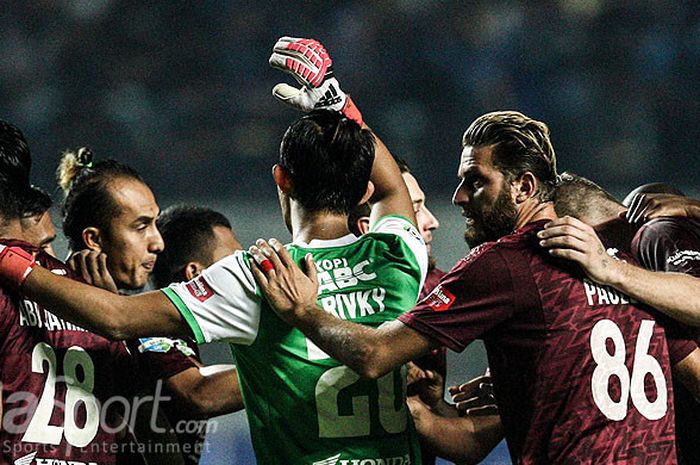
{"x":15,"y":265}
{"x":351,"y":111}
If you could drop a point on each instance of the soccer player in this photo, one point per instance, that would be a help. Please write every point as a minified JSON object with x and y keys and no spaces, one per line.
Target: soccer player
{"x":110,"y":215}
{"x":58,"y":380}
{"x":196,"y":237}
{"x":303,"y":406}
{"x":581,"y":375}
{"x":662,"y":244}
{"x":427,"y":223}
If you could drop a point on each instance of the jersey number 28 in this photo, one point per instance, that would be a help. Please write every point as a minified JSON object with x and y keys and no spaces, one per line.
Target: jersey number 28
{"x":78,"y":390}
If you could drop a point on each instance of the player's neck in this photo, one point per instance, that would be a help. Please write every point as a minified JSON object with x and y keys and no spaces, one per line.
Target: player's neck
{"x":11,"y":229}
{"x":534,"y":210}
{"x":307,"y":226}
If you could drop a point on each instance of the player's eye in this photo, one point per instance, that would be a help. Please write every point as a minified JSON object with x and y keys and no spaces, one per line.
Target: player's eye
{"x":477,"y":184}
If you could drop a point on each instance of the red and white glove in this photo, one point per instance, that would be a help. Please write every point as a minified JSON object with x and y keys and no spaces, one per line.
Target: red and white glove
{"x":15,"y":265}
{"x":309,"y":63}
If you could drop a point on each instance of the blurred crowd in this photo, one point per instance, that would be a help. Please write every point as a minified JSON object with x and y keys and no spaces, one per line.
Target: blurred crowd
{"x":186,"y":85}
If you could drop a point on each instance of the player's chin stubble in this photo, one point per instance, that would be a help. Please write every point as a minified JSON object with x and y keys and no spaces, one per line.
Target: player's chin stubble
{"x":491,"y":223}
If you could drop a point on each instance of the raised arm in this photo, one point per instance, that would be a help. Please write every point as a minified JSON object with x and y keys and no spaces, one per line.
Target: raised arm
{"x":668,"y":292}
{"x":308,"y":62}
{"x":100,"y":311}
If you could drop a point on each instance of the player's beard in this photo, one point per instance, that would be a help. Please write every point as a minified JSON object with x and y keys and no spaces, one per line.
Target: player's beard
{"x":491,"y":222}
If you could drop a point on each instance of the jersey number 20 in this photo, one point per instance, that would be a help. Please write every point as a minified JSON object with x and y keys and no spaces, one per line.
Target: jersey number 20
{"x":631,"y":384}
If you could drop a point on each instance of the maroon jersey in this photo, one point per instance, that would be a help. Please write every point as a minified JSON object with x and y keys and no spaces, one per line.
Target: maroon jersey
{"x":581,"y":375}
{"x":673,"y":244}
{"x":437,"y":359}
{"x":159,"y":359}
{"x":56,"y":379}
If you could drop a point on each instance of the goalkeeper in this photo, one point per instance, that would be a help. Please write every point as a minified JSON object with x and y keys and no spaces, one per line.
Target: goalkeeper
{"x":303,"y":406}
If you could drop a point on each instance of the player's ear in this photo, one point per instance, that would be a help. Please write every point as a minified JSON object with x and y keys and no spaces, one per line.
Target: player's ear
{"x":525,"y":187}
{"x":282,"y":178}
{"x":363,"y":224}
{"x":192,"y":270}
{"x":368,"y":193}
{"x":92,"y":238}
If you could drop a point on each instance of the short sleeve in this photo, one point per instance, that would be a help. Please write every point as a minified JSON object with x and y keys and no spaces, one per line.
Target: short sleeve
{"x":471,"y":299}
{"x":410,"y":238}
{"x":220,"y":304}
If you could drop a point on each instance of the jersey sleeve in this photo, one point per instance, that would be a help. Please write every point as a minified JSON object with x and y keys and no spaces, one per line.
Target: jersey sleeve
{"x":474,"y":297}
{"x":164,"y":357}
{"x":220,"y":304}
{"x":665,"y":244}
{"x":668,"y":244}
{"x":412,"y":243}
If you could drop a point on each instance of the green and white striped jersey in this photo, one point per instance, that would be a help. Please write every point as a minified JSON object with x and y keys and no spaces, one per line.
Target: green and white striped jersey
{"x":304,"y":407}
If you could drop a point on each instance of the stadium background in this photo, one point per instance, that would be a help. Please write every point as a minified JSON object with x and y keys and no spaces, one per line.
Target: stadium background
{"x":181,"y":91}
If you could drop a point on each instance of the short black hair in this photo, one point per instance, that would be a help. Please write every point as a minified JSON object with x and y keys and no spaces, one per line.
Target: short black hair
{"x":15,"y":167}
{"x":38,"y":202}
{"x":329,"y":159}
{"x":187,"y":232}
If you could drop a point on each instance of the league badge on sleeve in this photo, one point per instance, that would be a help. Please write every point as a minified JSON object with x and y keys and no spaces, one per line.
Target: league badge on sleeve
{"x":440,"y":299}
{"x":200,"y":288}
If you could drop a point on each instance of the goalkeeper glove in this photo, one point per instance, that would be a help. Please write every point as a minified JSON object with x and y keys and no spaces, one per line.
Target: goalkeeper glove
{"x":15,"y":265}
{"x":309,"y":63}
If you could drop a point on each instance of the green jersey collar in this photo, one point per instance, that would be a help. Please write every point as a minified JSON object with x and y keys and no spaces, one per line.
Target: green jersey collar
{"x":325,"y":243}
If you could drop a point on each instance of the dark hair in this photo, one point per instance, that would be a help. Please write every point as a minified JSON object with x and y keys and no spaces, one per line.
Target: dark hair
{"x":329,"y":159}
{"x":520,"y":143}
{"x":37,"y":203}
{"x":582,"y":198}
{"x":188,"y":234}
{"x":358,"y":211}
{"x":15,"y":166}
{"x":89,"y":201}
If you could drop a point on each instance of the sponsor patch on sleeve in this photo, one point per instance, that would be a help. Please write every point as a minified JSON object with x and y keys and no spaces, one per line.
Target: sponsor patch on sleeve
{"x":440,"y":299}
{"x":200,"y":288}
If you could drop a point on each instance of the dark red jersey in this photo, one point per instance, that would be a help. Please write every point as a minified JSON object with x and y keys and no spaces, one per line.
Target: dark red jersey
{"x":673,"y":244}
{"x":437,"y":359}
{"x":57,"y":379}
{"x":581,"y":375}
{"x":159,"y":359}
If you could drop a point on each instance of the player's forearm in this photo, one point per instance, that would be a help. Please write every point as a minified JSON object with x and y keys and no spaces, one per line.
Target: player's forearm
{"x":361,"y":348}
{"x":92,"y":308}
{"x":390,"y":191}
{"x":206,"y":396}
{"x":675,"y":294}
{"x":463,"y":440}
{"x":110,"y":315}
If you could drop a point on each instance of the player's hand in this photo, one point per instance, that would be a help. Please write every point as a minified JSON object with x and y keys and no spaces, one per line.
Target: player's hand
{"x":428,"y":385}
{"x":574,"y":240}
{"x":645,"y":207}
{"x":475,"y":397}
{"x":92,"y":267}
{"x":289,"y":290}
{"x":308,"y":62}
{"x":15,"y":265}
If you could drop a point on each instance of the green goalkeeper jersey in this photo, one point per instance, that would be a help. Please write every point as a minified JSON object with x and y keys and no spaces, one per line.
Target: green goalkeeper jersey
{"x":304,"y":407}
